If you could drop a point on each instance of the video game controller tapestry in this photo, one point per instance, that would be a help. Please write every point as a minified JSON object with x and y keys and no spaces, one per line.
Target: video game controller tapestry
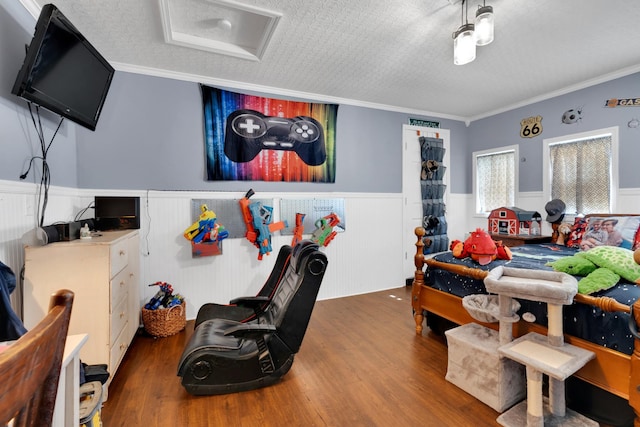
{"x":252,"y":138}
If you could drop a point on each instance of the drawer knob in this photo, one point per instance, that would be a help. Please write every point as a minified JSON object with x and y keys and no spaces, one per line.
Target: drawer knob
{"x":122,"y":314}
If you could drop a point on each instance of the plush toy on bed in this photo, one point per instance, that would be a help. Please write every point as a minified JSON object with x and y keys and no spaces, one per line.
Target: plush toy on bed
{"x":603,"y":266}
{"x":563,"y":230}
{"x":480,"y":247}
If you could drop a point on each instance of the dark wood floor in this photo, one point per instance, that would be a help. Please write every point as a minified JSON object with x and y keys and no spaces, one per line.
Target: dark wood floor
{"x":361,"y":364}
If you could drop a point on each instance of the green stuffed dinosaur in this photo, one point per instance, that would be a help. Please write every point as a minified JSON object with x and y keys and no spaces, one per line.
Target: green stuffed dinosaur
{"x":602,"y":267}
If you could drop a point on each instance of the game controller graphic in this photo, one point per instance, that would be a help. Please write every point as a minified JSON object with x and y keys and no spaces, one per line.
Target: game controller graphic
{"x":248,"y":132}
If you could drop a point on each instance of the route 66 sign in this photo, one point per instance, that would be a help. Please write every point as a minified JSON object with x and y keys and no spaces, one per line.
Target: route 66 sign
{"x":531,"y":127}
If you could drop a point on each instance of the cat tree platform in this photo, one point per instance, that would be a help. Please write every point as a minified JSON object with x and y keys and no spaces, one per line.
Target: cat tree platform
{"x":541,"y":355}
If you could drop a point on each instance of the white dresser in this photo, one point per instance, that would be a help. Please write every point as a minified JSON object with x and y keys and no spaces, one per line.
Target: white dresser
{"x":103,"y":272}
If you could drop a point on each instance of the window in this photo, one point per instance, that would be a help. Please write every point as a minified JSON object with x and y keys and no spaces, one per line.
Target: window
{"x":495,"y":174}
{"x":579,"y":170}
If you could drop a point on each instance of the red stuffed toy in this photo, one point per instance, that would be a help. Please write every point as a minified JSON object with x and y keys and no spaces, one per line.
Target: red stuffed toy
{"x":481,"y":248}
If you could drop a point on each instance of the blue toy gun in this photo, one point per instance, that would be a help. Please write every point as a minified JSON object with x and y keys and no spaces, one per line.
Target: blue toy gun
{"x":262,"y":217}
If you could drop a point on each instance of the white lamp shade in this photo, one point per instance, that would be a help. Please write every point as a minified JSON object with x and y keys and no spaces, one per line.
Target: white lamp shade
{"x":484,"y":25}
{"x":464,"y":45}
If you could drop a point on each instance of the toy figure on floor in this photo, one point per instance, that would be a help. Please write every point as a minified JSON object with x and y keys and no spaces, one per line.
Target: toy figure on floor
{"x":481,"y":248}
{"x":206,"y":228}
{"x":258,"y":219}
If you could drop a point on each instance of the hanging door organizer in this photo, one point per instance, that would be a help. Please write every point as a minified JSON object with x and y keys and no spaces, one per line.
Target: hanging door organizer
{"x":433,"y":188}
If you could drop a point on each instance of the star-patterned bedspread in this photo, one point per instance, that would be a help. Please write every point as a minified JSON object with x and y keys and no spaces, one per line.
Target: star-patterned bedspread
{"x":590,"y":323}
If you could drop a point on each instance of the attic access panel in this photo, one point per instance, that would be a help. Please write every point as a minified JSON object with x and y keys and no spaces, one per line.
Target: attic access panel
{"x":219,"y":26}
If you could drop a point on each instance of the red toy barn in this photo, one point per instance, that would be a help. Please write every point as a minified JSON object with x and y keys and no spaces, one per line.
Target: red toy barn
{"x":514,"y":221}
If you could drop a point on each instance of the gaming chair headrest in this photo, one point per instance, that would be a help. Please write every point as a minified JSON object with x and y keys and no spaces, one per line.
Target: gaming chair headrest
{"x":298,"y":254}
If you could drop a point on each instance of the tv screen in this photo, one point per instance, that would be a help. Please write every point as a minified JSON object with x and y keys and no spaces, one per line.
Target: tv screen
{"x":63,"y":72}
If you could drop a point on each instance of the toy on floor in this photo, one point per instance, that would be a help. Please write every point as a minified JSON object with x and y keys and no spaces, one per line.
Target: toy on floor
{"x":164,"y":298}
{"x":481,"y":248}
{"x":206,"y":228}
{"x":324,"y":232}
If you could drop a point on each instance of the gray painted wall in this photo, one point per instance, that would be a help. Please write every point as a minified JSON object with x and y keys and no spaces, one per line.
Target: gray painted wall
{"x":504,"y":129}
{"x":18,"y":141}
{"x":150,"y":135}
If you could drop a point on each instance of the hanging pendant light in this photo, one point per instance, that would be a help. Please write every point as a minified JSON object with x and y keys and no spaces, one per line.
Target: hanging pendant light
{"x":464,"y":45}
{"x":484,"y":25}
{"x":464,"y":42}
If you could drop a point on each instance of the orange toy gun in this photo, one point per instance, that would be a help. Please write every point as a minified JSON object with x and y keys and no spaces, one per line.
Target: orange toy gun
{"x":251,"y":234}
{"x":298,"y":230}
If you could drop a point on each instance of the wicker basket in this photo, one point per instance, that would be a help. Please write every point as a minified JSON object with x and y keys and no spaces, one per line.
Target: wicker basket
{"x":164,"y":322}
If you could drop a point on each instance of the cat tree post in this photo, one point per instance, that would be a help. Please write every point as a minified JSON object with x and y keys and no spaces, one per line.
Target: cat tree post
{"x":542,"y":355}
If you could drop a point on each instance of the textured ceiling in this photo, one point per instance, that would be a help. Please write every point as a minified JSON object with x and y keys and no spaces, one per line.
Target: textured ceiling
{"x":391,"y":54}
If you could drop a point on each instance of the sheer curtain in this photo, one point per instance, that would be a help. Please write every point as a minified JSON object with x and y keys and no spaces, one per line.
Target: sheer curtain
{"x":496,"y":182}
{"x":581,"y":174}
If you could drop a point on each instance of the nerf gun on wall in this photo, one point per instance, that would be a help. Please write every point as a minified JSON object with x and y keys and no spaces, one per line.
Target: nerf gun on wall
{"x":262,"y":217}
{"x":324,"y":233}
{"x":206,"y":228}
{"x":298,"y":230}
{"x":250,"y":234}
{"x":258,"y":220}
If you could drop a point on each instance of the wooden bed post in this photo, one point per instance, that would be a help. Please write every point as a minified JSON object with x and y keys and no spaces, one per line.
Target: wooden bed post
{"x":418,"y":280}
{"x":634,"y":374}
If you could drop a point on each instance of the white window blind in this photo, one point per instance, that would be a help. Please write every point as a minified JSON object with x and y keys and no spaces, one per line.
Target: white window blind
{"x":495,"y":180}
{"x":581,"y":174}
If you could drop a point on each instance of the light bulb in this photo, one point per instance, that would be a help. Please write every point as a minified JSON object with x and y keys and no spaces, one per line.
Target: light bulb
{"x":484,"y":25}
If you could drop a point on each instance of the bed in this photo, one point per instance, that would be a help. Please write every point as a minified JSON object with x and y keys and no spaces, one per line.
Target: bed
{"x":597,"y":322}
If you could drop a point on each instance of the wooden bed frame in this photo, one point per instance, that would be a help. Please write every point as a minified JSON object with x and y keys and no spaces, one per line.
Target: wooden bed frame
{"x":615,"y":372}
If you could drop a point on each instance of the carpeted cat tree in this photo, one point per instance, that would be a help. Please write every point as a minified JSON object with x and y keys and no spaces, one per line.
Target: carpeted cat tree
{"x":538,"y":354}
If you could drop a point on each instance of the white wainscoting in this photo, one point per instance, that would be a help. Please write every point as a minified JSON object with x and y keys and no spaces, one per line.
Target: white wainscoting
{"x":367,"y":257}
{"x":18,"y":204}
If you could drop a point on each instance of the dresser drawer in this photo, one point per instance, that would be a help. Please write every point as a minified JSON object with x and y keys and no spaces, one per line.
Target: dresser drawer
{"x":119,"y":256}
{"x":118,"y":350}
{"x":119,"y":288}
{"x":119,"y":318}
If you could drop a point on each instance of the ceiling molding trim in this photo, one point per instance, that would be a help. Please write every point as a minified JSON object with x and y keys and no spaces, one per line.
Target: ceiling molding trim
{"x":583,"y":85}
{"x":305,"y":96}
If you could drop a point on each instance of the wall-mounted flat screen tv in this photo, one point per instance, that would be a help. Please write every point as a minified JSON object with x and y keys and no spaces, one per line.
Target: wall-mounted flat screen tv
{"x":63,"y":72}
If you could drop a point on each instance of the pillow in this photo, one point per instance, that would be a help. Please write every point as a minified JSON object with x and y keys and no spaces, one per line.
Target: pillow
{"x":622,"y":232}
{"x":574,"y":265}
{"x":618,"y":260}
{"x":578,"y":229}
{"x":598,"y":280}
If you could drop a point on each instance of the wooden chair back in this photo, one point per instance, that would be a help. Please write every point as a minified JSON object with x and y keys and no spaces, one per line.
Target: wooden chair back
{"x":30,"y":367}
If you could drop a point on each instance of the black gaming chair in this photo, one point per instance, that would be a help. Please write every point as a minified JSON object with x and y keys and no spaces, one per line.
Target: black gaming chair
{"x":245,"y":309}
{"x":226,"y":356}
